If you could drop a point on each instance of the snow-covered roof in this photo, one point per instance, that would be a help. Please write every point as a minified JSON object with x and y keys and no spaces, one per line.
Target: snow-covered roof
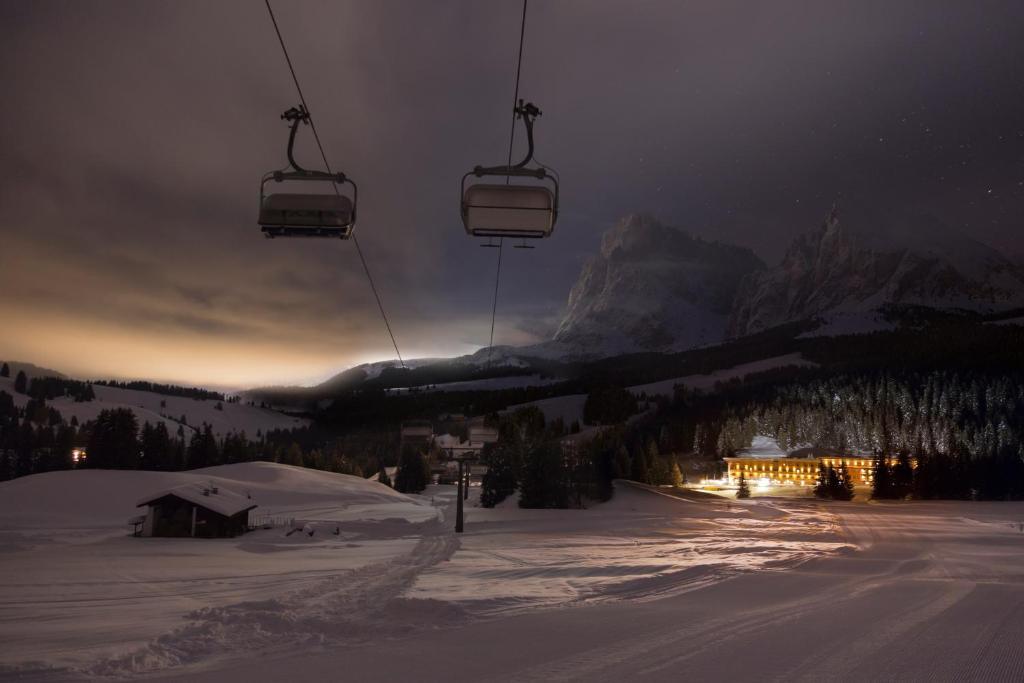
{"x":224,"y":502}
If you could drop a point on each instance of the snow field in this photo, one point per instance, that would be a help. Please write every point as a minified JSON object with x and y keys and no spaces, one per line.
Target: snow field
{"x":78,"y":594}
{"x":638,"y":546}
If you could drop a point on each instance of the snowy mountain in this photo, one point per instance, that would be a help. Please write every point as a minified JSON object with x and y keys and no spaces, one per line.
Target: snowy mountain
{"x":652,"y":288}
{"x":854,"y":266}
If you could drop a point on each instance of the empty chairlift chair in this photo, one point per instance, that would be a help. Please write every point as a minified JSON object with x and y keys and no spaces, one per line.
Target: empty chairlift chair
{"x":288,"y":214}
{"x":517,"y":210}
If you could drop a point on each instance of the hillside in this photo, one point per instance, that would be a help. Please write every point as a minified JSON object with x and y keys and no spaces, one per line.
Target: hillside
{"x":152,"y":407}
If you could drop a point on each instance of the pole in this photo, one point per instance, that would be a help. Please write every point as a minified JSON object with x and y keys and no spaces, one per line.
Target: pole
{"x":458,"y":509}
{"x":465,"y":492}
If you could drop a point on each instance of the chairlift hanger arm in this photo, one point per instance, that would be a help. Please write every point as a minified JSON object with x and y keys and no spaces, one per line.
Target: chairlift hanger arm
{"x":528,"y":112}
{"x":297,"y":115}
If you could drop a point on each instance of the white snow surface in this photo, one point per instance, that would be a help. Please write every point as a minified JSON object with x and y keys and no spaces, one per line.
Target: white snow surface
{"x":652,"y":583}
{"x":1007,"y":321}
{"x":839,"y":324}
{"x":568,"y":408}
{"x":235,"y":417}
{"x":920,"y":591}
{"x":707,"y":382}
{"x":762,"y":447}
{"x":77,"y":592}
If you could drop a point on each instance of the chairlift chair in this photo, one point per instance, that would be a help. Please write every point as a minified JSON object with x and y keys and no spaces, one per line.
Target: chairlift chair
{"x":289,"y":214}
{"x":523,"y":211}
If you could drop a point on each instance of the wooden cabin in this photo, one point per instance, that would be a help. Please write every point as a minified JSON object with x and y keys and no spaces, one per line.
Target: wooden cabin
{"x":201,"y":511}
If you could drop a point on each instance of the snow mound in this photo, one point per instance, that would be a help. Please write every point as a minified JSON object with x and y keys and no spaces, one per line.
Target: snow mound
{"x":81,"y":499}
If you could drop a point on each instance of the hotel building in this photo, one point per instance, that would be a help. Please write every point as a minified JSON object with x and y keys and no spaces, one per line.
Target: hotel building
{"x":797,"y":471}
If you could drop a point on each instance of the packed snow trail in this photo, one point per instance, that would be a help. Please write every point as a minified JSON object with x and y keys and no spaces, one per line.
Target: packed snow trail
{"x":933,"y":593}
{"x":351,"y":606}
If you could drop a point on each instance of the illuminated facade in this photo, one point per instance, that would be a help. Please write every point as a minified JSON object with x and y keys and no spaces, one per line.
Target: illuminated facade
{"x":798,"y":471}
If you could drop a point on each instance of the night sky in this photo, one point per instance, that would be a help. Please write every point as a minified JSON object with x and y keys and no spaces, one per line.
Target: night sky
{"x":134,"y":135}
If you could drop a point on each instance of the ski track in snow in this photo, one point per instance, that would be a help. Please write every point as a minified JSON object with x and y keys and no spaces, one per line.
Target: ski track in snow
{"x":353,"y":606}
{"x":357,"y":605}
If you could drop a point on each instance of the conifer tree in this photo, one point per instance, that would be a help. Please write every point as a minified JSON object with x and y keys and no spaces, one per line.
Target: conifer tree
{"x":5,"y":370}
{"x":881,"y":484}
{"x":383,"y":477}
{"x":412,"y":475}
{"x":113,"y":440}
{"x":676,"y":475}
{"x":638,"y":468}
{"x":203,"y":450}
{"x":744,"y":489}
{"x":499,"y":480}
{"x":545,"y":481}
{"x":843,"y":484}
{"x":21,"y":382}
{"x":902,"y":475}
{"x":822,"y":489}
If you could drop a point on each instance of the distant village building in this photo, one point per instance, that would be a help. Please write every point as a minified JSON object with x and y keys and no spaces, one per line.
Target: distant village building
{"x":196,"y":510}
{"x":418,"y":432}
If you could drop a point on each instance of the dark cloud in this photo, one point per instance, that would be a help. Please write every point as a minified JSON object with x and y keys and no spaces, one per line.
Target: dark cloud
{"x":134,"y":136}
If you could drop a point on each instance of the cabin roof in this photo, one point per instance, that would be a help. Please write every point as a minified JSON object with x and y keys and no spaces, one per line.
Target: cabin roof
{"x":225,"y":502}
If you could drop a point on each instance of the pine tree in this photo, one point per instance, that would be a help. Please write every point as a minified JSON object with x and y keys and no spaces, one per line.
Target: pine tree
{"x":113,"y":440}
{"x":902,"y":475}
{"x":844,"y":484}
{"x":881,"y":484}
{"x":545,"y":481}
{"x":638,"y":468}
{"x":676,"y":475}
{"x":383,"y":477}
{"x":413,"y":473}
{"x":822,"y":489}
{"x":5,"y":370}
{"x":202,"y":449}
{"x":499,"y":480}
{"x":744,"y":490}
{"x":21,"y":382}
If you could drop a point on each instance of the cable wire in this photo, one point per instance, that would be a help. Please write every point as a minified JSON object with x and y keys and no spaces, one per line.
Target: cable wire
{"x":323,"y":155}
{"x":508,"y":179}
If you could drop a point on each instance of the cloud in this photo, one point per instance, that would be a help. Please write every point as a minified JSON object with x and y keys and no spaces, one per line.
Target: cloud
{"x":135,"y":136}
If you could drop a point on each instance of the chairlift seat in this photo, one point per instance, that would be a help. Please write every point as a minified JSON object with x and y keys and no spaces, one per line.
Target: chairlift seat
{"x":307,"y":215}
{"x":517,"y":211}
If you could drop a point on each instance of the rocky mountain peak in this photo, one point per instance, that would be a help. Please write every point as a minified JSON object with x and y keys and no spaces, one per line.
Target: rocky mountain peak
{"x":866,"y":262}
{"x":652,"y":287}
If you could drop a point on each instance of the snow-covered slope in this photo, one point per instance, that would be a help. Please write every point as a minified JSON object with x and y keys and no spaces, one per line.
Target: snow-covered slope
{"x":652,"y":288}
{"x":97,"y":499}
{"x":77,"y":591}
{"x":666,"y":387}
{"x":151,"y":407}
{"x":863,"y":262}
